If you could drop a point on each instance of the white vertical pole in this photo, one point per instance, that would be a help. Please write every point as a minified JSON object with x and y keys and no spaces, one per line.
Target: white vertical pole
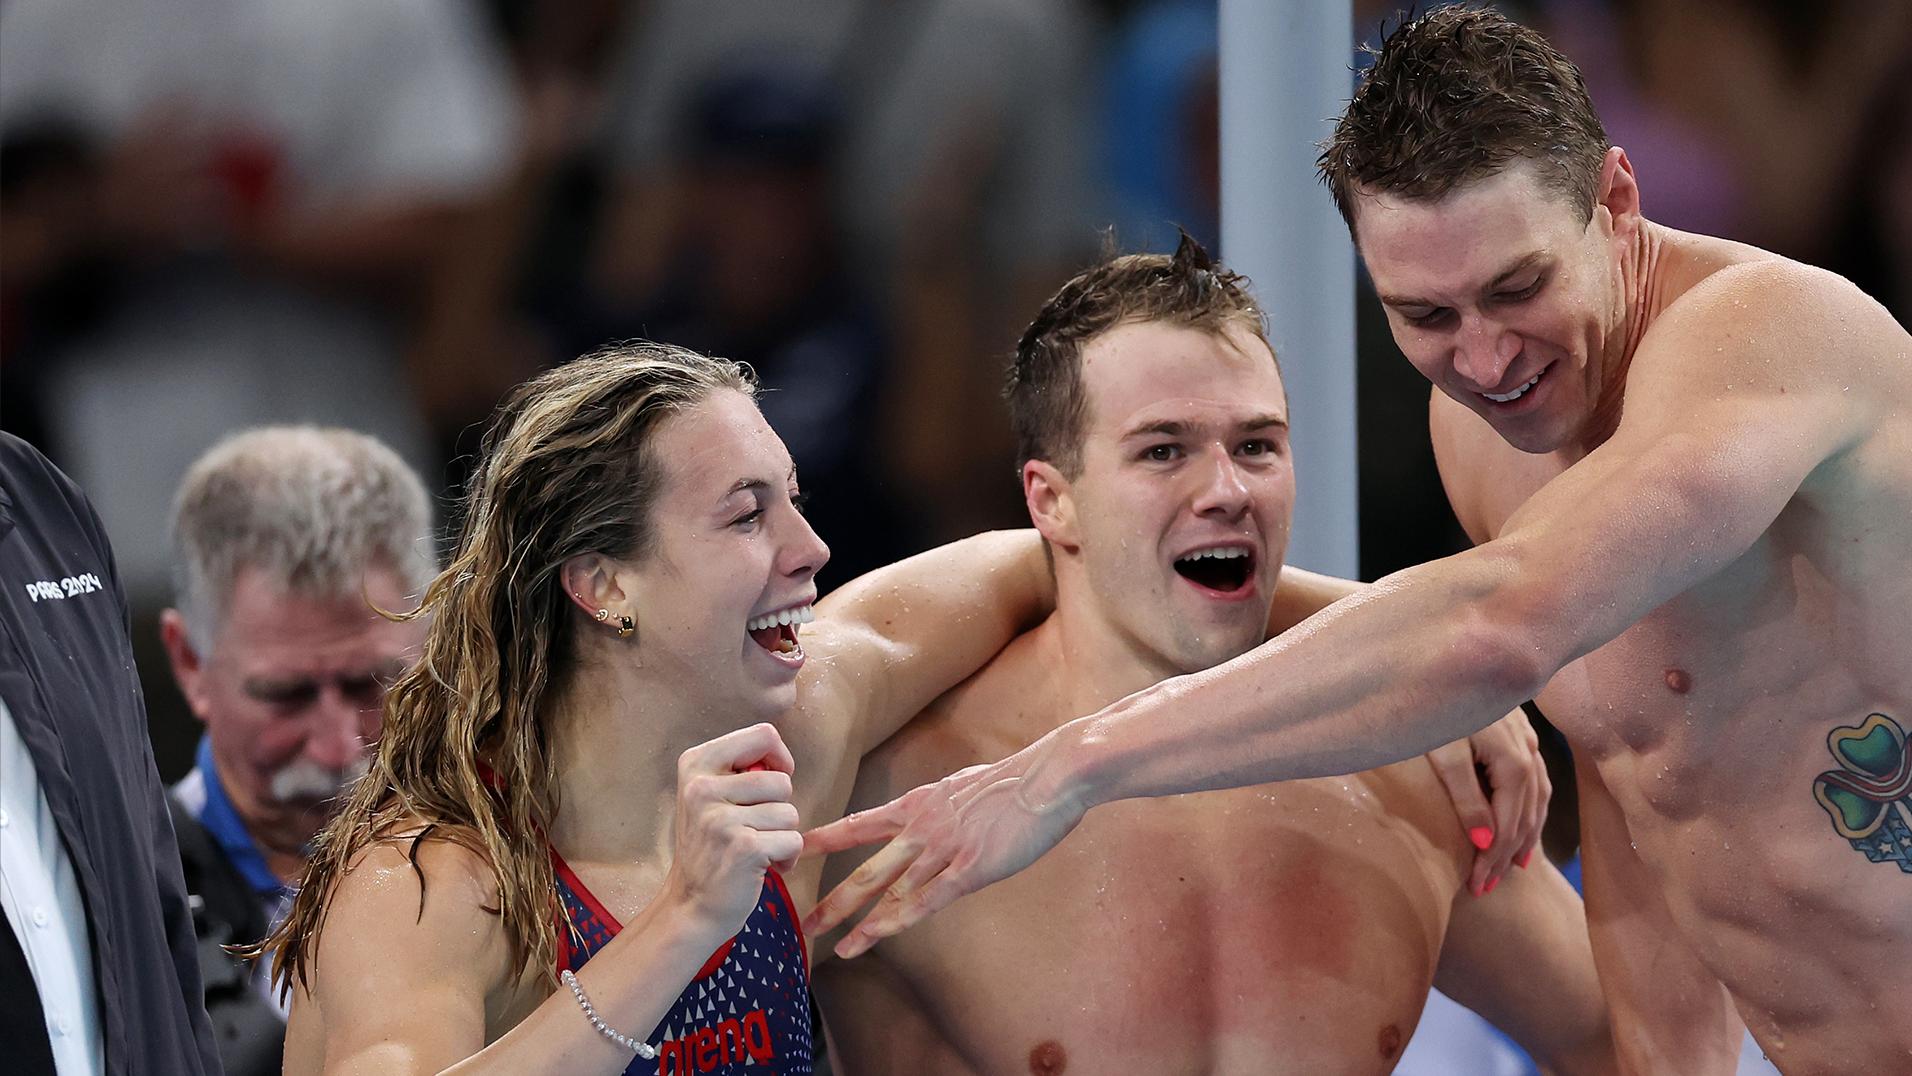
{"x":1284,"y":76}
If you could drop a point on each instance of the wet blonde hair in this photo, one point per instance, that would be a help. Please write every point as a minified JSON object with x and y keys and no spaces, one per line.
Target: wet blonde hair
{"x":567,"y":470}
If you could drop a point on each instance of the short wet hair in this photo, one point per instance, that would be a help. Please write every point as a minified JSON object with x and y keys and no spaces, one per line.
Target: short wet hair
{"x":1458,"y":95}
{"x":1048,"y":407}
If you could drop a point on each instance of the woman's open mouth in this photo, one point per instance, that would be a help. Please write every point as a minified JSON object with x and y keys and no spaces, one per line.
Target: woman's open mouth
{"x":777,"y":632}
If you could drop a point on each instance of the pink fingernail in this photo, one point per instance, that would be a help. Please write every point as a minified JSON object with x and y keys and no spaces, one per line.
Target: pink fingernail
{"x":1524,"y":858}
{"x":1481,"y":836}
{"x":1489,"y":887}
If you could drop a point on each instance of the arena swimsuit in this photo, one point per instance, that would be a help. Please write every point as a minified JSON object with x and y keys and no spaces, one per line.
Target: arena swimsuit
{"x":748,"y":1009}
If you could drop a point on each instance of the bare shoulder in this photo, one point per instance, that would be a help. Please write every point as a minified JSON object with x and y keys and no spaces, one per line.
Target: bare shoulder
{"x":1772,"y":318}
{"x":1412,"y":793}
{"x":1300,"y":594}
{"x":999,"y":710}
{"x":412,"y":955}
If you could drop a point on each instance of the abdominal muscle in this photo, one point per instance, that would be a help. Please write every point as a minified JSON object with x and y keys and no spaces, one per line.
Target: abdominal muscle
{"x":1714,"y":770}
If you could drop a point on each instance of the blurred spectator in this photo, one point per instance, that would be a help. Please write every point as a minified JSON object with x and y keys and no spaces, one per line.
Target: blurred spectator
{"x":961,"y":179}
{"x":287,"y":539}
{"x":268,"y":189}
{"x":97,"y":972}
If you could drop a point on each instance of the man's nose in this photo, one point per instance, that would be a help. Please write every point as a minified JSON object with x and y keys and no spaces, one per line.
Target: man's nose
{"x":1483,"y":351}
{"x":333,"y":739}
{"x":1224,"y":491}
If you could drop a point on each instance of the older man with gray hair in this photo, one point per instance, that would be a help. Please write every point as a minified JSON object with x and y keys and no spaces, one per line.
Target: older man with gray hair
{"x":289,"y":540}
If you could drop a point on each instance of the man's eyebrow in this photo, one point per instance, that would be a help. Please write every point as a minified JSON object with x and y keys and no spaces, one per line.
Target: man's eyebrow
{"x":260,"y":685}
{"x":1167,"y":427}
{"x":1523,"y":263}
{"x":1177,"y":428}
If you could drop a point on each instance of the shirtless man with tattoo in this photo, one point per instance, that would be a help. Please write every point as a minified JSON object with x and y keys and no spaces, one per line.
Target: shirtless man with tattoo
{"x":1291,"y":928}
{"x":1688,"y":464}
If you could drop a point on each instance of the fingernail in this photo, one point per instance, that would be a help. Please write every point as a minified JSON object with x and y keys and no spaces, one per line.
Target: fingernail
{"x":1524,"y":858}
{"x":1481,"y":836}
{"x":1489,"y":887}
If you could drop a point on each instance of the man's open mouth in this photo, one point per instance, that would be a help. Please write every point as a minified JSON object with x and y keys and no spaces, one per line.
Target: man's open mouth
{"x":777,"y":632}
{"x":1224,"y":569}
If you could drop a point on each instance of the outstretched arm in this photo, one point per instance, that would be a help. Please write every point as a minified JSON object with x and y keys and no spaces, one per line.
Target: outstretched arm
{"x":887,"y":643}
{"x":1725,"y":421}
{"x":1495,"y":777}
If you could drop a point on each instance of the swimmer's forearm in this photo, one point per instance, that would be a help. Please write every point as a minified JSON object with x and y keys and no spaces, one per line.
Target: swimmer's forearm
{"x":632,"y":983}
{"x":1422,"y":658}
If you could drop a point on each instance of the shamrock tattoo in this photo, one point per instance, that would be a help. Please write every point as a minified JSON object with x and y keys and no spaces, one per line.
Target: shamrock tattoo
{"x":1870,"y":796}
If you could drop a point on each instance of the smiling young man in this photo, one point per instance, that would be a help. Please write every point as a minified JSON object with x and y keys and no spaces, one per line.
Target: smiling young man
{"x":1286,"y":928}
{"x":1688,"y":465}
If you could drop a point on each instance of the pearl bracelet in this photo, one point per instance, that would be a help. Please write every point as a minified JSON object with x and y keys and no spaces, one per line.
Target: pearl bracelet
{"x":642,"y":1049}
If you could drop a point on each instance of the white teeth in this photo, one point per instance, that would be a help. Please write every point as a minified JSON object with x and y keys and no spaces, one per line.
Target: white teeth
{"x":1225,"y":553}
{"x":802,"y":614}
{"x":1514,"y":395}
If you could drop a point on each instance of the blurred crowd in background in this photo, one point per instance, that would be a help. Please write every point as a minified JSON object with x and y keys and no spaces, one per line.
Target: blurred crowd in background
{"x":221,"y":213}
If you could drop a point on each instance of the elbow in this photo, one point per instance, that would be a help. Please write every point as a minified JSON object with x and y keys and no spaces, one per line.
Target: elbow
{"x":1511,"y":635}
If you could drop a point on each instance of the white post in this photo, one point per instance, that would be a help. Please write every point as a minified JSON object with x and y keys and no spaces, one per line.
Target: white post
{"x":1284,"y":77}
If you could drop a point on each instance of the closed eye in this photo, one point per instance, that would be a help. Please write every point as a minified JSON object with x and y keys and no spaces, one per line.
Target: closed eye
{"x":1428,"y":320}
{"x":1521,"y":294}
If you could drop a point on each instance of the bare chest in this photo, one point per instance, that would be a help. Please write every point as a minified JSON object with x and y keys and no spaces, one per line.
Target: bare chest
{"x":1248,"y":931}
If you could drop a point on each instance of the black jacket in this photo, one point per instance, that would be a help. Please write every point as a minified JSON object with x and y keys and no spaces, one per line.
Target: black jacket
{"x":67,"y":675}
{"x":228,"y":911}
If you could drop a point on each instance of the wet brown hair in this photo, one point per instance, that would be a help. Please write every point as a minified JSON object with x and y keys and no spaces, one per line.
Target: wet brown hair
{"x":1455,"y":96}
{"x":566,"y":471}
{"x":1048,"y":407}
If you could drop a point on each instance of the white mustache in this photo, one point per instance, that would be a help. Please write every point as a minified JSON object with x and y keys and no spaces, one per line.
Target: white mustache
{"x":306,"y":780}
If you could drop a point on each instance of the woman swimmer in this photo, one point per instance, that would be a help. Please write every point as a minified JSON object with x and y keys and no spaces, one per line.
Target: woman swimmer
{"x":581,"y":675}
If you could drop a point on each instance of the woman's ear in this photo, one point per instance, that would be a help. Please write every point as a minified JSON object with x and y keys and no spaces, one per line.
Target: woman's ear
{"x":591,"y":580}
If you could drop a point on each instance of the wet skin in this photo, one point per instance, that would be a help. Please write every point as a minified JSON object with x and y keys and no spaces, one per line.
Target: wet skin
{"x":1708,"y":720}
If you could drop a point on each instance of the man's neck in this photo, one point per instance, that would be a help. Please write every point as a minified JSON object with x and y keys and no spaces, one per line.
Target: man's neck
{"x":1645,"y":286}
{"x":1098,"y":662}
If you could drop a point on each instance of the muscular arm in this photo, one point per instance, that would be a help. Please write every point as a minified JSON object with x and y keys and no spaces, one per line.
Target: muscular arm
{"x":1520,"y":957}
{"x":1669,"y":1013}
{"x":1733,"y":402}
{"x":888,"y":643}
{"x":1503,"y":831}
{"x":1725,"y":421}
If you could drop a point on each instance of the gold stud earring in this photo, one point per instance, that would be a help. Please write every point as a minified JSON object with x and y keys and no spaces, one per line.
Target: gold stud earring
{"x":603,"y":614}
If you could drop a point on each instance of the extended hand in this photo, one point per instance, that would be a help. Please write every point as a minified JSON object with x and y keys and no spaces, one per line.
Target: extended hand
{"x":1504,"y":819}
{"x":951,"y":838}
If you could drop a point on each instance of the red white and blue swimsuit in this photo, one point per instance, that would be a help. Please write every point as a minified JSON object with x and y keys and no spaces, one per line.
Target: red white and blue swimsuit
{"x":747,"y":1013}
